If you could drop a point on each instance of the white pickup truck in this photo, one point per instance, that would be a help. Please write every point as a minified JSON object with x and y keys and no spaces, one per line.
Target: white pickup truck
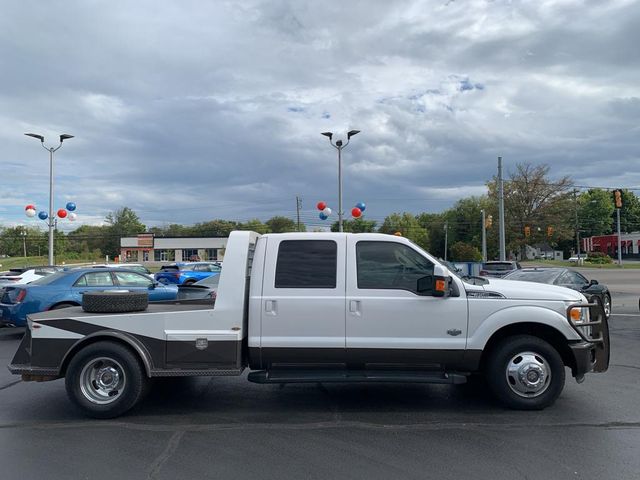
{"x":327,"y":307}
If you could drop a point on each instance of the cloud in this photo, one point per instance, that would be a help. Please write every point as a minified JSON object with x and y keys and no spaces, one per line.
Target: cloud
{"x":196,"y":111}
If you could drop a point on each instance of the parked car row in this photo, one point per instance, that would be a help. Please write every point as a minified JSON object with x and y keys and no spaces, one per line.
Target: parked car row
{"x":65,"y":289}
{"x":25,"y":291}
{"x":187,"y":273}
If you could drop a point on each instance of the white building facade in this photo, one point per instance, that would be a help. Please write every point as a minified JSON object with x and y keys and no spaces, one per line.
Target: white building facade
{"x":149,"y":249}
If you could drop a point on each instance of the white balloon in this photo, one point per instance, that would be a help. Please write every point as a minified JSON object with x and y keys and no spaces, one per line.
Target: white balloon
{"x":72,"y":216}
{"x":327,"y":211}
{"x":31,"y":213}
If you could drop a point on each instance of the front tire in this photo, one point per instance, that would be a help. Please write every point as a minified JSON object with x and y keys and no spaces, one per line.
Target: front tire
{"x":525,"y":373}
{"x":105,"y":379}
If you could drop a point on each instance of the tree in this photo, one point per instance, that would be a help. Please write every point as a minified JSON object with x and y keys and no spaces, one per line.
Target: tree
{"x":532,"y":200}
{"x":595,"y":209}
{"x":214,"y":228}
{"x":13,"y":241}
{"x":254,"y":225}
{"x":357,"y":225}
{"x":629,"y":213}
{"x":434,"y":224}
{"x":122,"y":223}
{"x":463,"y":252}
{"x":408,"y":226}
{"x":280,"y":224}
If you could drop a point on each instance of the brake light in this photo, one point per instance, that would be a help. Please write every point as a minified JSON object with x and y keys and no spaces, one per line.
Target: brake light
{"x":21,"y":295}
{"x":213,"y":295}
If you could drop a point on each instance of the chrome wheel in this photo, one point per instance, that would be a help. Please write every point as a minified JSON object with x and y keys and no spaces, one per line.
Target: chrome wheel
{"x":528,"y":374}
{"x":607,"y":306}
{"x":102,"y":380}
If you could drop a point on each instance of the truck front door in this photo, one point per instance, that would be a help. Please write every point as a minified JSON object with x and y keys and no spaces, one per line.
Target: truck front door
{"x":303,"y":302}
{"x":390,"y":323}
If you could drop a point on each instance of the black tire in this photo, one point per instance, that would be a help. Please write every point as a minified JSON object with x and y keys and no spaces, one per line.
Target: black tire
{"x":115,"y":302}
{"x":63,"y":305}
{"x":94,"y":401}
{"x":515,"y":389}
{"x":189,"y":282}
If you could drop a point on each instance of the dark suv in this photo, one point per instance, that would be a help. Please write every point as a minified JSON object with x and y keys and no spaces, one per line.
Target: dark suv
{"x":498,"y":269}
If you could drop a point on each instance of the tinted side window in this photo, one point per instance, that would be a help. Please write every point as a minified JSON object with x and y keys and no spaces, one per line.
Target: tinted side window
{"x":307,"y":264}
{"x":389,"y":265}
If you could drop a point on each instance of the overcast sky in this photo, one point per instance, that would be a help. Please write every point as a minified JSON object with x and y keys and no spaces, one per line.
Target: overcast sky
{"x":194,"y":110}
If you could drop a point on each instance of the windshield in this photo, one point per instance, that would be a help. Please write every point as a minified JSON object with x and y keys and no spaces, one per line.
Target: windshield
{"x":497,"y":266}
{"x":49,"y":278}
{"x":539,"y":276}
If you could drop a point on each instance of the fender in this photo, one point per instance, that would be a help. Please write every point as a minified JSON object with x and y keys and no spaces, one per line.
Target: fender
{"x":519,"y":314}
{"x":134,"y":343}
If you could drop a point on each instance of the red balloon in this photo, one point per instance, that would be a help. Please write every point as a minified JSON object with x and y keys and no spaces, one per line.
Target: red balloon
{"x":321,"y":206}
{"x":356,"y":212}
{"x":62,"y":213}
{"x":30,"y":207}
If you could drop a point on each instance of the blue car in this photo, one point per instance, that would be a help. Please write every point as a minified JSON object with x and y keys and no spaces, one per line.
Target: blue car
{"x":65,"y":289}
{"x":187,"y":273}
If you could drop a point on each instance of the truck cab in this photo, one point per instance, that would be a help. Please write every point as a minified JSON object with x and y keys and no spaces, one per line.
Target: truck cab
{"x":328,"y":307}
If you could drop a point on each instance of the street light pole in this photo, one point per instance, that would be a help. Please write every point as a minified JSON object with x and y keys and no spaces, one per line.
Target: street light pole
{"x":339,"y":146}
{"x":484,"y":236}
{"x":51,"y":151}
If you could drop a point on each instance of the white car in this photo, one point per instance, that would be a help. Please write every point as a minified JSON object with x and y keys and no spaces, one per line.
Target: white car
{"x":577,"y":258}
{"x":19,"y":276}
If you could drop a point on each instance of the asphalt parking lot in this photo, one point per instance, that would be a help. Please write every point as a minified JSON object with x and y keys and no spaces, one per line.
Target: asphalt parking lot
{"x":230,"y":428}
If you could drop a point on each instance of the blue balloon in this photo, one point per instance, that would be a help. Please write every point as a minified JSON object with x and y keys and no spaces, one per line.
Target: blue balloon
{"x":322,"y":216}
{"x":71,"y":206}
{"x":361,"y":206}
{"x":43,"y":215}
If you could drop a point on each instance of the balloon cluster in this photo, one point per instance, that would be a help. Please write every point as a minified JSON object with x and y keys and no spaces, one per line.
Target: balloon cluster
{"x":325,"y":211}
{"x":68,"y":211}
{"x":356,"y":212}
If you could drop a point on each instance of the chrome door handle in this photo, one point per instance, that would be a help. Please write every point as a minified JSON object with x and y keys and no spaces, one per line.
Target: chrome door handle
{"x":354,"y":307}
{"x":270,"y":307}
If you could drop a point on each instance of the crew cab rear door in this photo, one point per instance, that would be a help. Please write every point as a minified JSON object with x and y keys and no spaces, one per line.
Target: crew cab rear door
{"x":303,"y":302}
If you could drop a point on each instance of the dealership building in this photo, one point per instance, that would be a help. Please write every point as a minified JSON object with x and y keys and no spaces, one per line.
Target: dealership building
{"x":148,"y":249}
{"x":608,"y":244}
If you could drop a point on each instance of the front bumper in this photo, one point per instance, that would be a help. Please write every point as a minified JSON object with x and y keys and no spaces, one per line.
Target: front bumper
{"x":584,"y":358}
{"x":593,"y":352}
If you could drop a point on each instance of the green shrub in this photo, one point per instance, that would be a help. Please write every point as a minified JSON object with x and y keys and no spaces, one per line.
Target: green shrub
{"x":599,"y":258}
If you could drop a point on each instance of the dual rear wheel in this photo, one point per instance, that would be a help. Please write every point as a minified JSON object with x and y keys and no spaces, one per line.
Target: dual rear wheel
{"x":105,"y":379}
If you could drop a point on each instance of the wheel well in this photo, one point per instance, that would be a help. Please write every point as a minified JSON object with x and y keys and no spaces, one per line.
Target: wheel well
{"x":101,"y":338}
{"x":70,"y":303}
{"x":544,"y":332}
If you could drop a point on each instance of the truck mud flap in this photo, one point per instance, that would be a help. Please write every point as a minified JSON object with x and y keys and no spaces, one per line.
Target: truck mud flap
{"x":595,"y":331}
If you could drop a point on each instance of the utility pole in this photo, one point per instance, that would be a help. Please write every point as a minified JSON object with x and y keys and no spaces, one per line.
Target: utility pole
{"x":575,"y":201}
{"x":24,"y":241}
{"x":446,"y":234}
{"x":503,"y":249}
{"x":617,"y":196}
{"x":619,"y":240}
{"x":484,"y":237}
{"x":298,"y":207}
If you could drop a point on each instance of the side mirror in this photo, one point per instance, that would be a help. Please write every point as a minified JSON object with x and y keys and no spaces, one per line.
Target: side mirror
{"x":593,"y":282}
{"x":153,"y":285}
{"x":441,"y":281}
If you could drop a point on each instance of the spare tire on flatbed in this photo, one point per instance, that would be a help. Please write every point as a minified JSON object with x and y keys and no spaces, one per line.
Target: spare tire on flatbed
{"x":114,"y":302}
